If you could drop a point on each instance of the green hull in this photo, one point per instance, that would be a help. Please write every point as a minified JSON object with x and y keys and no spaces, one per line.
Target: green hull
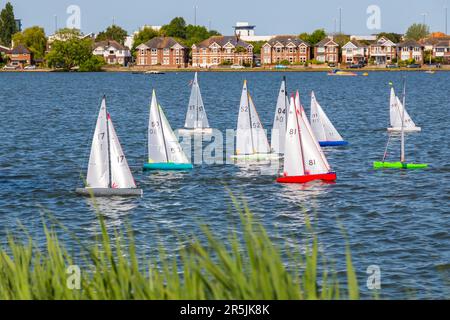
{"x":399,"y":165}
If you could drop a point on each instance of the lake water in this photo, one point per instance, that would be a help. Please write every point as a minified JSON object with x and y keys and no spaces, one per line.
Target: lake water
{"x":398,"y":220}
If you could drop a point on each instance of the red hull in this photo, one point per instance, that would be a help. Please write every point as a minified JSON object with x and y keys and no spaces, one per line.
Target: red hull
{"x":302,"y":179}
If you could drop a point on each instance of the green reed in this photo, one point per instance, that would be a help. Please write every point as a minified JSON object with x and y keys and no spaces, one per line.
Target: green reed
{"x":248,"y":265}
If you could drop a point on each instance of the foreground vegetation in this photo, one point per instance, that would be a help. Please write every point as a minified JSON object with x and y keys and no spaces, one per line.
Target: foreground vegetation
{"x":247,"y":266}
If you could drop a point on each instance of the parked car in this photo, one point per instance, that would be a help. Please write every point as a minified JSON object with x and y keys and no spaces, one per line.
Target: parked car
{"x":237,"y":66}
{"x":10,"y":67}
{"x":357,"y":65}
{"x":413,"y":65}
{"x":392,"y":66}
{"x":30,"y":67}
{"x":332,"y":64}
{"x":280,"y":66}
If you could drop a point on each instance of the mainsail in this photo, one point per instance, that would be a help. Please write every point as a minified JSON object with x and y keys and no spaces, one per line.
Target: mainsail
{"x":280,"y":120}
{"x":321,"y":125}
{"x":196,"y":114}
{"x":98,"y":168}
{"x":250,"y":136}
{"x":293,"y":155}
{"x":163,"y":145}
{"x":395,"y":112}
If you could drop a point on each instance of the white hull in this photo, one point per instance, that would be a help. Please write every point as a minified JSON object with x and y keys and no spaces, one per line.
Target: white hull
{"x":257,"y":156}
{"x":195,"y":131}
{"x":399,"y":129}
{"x":109,"y":192}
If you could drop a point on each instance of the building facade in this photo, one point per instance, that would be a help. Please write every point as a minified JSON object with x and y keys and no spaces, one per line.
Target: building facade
{"x":222,"y":50}
{"x":164,"y":51}
{"x":113,"y":52}
{"x":442,"y":50}
{"x":354,"y":52}
{"x":19,"y":56}
{"x":410,"y":49}
{"x":383,"y":51}
{"x":285,"y":48}
{"x":327,"y":50}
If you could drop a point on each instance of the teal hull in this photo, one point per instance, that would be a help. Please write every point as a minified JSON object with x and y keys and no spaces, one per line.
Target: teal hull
{"x":168,"y":166}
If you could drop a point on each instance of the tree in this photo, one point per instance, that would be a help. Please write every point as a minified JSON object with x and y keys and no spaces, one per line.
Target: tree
{"x":176,"y":28}
{"x":314,"y":37}
{"x":196,"y":34}
{"x":7,"y":25}
{"x":93,"y":64}
{"x":113,"y":32}
{"x":341,"y":39}
{"x":394,"y":37}
{"x":417,"y":31}
{"x":69,"y":53}
{"x":143,"y":36}
{"x":34,"y":39}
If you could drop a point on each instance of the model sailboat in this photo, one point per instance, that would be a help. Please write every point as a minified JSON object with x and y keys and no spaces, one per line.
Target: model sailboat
{"x":304,"y":160}
{"x":164,"y":150}
{"x":402,"y":164}
{"x":322,"y":127}
{"x":251,"y":139}
{"x":108,"y":172}
{"x":196,"y":119}
{"x":280,"y":120}
{"x":397,"y":112}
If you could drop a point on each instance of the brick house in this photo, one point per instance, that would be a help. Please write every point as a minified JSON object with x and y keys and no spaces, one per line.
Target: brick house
{"x":326,"y":50}
{"x":410,"y":49}
{"x":19,"y":56}
{"x":354,"y":52}
{"x":442,"y":49}
{"x":383,"y":51}
{"x":221,"y":49}
{"x":285,"y":48}
{"x":113,"y":52}
{"x":164,"y":51}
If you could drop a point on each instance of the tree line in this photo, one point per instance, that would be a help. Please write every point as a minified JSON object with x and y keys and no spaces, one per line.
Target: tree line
{"x":70,"y":50}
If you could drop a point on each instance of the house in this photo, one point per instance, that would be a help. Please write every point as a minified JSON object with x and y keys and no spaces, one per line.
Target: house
{"x":222,"y":50}
{"x":285,"y":48}
{"x":164,"y":51}
{"x":442,"y":50}
{"x":113,"y":52}
{"x":383,"y":51}
{"x":354,"y":52}
{"x":326,"y":50}
{"x":410,"y":49}
{"x":19,"y":56}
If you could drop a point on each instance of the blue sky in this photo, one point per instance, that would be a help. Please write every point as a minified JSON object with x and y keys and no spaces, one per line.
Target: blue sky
{"x":270,"y":17}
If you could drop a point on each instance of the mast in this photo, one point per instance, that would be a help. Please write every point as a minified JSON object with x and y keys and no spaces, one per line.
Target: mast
{"x":286,"y":102}
{"x":196,"y":104}
{"x":300,"y":136}
{"x":250,"y":119}
{"x":162,"y":132}
{"x":402,"y":145}
{"x":109,"y":146}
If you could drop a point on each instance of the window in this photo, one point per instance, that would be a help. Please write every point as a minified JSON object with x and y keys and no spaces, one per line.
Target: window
{"x":142,"y":52}
{"x":166,"y":51}
{"x":278,"y":49}
{"x":142,"y":61}
{"x":249,"y":49}
{"x":291,"y":50}
{"x":266,"y":49}
{"x":166,"y":60}
{"x":214,"y":50}
{"x":214,"y":60}
{"x":291,"y":59}
{"x":154,"y":51}
{"x":302,"y":50}
{"x":177,"y":52}
{"x":177,"y":61}
{"x":154,"y":61}
{"x":204,"y":50}
{"x":302,"y":59}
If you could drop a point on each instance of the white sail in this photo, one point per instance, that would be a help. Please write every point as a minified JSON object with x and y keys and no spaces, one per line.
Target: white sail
{"x":98,"y":168}
{"x":244,"y":137}
{"x":321,"y":125}
{"x":156,"y":145}
{"x":196,"y":114}
{"x":260,"y":142}
{"x":280,"y":120}
{"x":395,"y":112}
{"x":293,"y":159}
{"x":121,"y":176}
{"x":314,"y":159}
{"x":163,"y":145}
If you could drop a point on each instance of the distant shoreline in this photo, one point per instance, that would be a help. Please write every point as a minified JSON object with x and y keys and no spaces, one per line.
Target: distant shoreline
{"x":141,"y":70}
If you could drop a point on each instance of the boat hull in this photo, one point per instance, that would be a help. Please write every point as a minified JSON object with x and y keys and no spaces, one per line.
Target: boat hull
{"x":398,"y":165}
{"x":329,"y":177}
{"x":195,"y":131}
{"x":167,"y":166}
{"x":256,"y":156}
{"x":332,"y":143}
{"x":109,"y":192}
{"x":349,"y":74}
{"x":399,"y":129}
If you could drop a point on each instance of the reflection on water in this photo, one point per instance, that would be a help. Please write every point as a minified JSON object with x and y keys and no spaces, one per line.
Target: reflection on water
{"x":114,"y":210}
